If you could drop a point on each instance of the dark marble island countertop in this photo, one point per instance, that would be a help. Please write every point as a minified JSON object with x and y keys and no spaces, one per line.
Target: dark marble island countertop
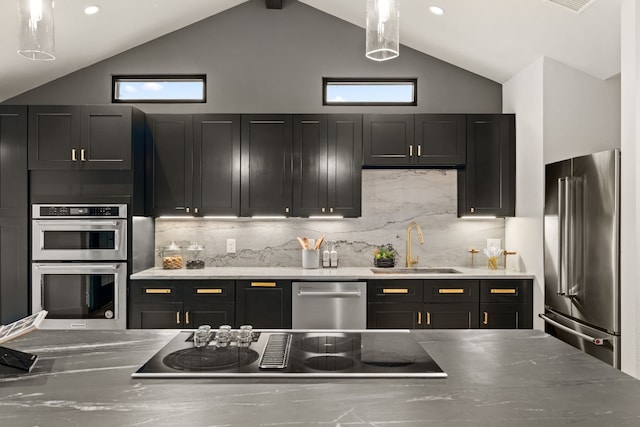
{"x":495,"y":378}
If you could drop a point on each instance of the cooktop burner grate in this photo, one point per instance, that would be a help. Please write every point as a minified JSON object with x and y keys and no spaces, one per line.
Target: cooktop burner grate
{"x":210,"y":358}
{"x":276,"y":352}
{"x":329,"y":344}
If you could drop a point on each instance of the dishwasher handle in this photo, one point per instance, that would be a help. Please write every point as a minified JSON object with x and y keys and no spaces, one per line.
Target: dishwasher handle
{"x":347,"y":294}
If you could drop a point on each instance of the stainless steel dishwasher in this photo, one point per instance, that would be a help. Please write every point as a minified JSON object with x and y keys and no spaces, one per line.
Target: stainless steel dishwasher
{"x":329,"y":305}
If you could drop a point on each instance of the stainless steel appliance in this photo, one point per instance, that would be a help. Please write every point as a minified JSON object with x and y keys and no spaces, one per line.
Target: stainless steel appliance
{"x":79,"y":265}
{"x":329,"y":305}
{"x":296,"y":354}
{"x":79,"y":232}
{"x":581,"y":246}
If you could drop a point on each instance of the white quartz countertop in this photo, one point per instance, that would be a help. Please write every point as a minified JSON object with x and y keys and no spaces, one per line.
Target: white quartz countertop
{"x":340,"y":273}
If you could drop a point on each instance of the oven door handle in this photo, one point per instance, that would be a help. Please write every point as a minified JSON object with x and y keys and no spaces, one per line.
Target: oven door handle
{"x":303,"y":293}
{"x":73,"y":225}
{"x":74,"y":266}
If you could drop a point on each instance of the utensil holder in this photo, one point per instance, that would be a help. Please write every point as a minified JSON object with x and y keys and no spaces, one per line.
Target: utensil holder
{"x":310,"y":258}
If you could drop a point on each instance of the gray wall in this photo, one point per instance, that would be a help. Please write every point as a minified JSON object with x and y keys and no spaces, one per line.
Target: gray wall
{"x":260,"y":60}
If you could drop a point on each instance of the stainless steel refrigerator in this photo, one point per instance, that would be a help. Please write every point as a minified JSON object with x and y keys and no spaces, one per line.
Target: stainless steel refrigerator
{"x":581,"y":253}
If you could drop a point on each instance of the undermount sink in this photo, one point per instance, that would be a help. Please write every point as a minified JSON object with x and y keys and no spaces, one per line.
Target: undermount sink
{"x":416,"y":270}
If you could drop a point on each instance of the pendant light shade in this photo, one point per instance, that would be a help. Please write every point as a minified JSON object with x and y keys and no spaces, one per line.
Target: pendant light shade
{"x":383,"y":29}
{"x":35,"y":29}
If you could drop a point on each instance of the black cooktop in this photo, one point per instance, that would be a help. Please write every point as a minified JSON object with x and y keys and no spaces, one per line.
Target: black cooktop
{"x":296,"y":354}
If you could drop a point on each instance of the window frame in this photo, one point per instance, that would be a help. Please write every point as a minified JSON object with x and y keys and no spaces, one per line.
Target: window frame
{"x":120,"y":78}
{"x":369,"y":80}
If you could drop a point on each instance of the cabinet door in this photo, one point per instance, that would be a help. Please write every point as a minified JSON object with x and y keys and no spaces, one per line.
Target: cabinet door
{"x":451,"y":316}
{"x":263,"y":304}
{"x":388,"y":139}
{"x":503,"y":316}
{"x":167,"y":315}
{"x":390,"y":315}
{"x":344,"y":160}
{"x":170,"y":141}
{"x":14,"y":263}
{"x":441,"y":139}
{"x":310,"y":160}
{"x":487,"y":184}
{"x":216,"y":164}
{"x":54,"y":137}
{"x":209,"y":302}
{"x":106,"y":137}
{"x":266,"y":173}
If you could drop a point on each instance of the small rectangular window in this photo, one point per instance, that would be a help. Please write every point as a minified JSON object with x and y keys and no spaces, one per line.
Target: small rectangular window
{"x":369,"y":91}
{"x":159,"y":89}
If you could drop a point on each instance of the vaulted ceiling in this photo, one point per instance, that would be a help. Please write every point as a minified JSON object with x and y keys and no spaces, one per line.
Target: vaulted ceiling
{"x":493,"y":38}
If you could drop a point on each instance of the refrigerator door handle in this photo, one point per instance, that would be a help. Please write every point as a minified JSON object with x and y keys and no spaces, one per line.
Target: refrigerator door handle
{"x":596,"y":341}
{"x":563,"y":229}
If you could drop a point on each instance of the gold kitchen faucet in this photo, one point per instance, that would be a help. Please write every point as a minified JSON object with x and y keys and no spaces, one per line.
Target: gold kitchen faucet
{"x":410,"y":260}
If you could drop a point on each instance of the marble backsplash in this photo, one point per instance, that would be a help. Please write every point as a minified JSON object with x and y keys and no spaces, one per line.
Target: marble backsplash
{"x":391,"y":199}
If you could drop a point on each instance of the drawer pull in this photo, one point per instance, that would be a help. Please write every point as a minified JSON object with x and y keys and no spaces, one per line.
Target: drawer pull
{"x":208,"y":291}
{"x":157,"y":291}
{"x":186,"y":317}
{"x":419,"y":318}
{"x":395,"y":291}
{"x":450,"y":291}
{"x":263,"y":284}
{"x":503,"y":291}
{"x":428,"y":318}
{"x":177,"y":317}
{"x":485,"y":320}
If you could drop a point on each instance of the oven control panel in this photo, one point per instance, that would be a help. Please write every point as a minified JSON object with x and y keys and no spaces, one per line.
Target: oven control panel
{"x":80,"y":211}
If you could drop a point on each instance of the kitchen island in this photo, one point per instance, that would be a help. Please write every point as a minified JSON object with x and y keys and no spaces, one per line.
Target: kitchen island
{"x":495,"y":378}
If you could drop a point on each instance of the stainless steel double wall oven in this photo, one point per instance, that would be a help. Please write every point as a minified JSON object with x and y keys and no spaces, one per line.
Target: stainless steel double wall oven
{"x":79,"y":265}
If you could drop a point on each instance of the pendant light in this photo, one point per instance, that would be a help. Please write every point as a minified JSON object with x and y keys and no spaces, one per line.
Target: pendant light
{"x":383,"y":29}
{"x":35,"y":29}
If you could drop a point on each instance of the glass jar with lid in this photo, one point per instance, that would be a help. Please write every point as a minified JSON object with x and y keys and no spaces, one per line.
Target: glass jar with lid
{"x":172,"y":257}
{"x":194,"y":256}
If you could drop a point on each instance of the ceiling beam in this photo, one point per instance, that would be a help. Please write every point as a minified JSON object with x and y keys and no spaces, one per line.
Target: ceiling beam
{"x":274,"y":4}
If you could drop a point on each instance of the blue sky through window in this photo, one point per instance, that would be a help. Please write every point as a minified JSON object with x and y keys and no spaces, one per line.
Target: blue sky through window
{"x":370,"y":92}
{"x":159,"y":90}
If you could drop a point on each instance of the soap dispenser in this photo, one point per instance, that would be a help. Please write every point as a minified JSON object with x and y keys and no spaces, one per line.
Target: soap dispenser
{"x":334,"y":257}
{"x":326,"y":258}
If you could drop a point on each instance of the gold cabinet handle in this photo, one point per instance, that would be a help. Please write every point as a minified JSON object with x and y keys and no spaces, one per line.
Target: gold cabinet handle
{"x":187,"y":210}
{"x":419,"y":150}
{"x":82,"y":156}
{"x":157,"y":291}
{"x":74,"y":158}
{"x":331,"y":210}
{"x":395,"y":291}
{"x":410,"y":150}
{"x":208,"y":291}
{"x":286,"y":210}
{"x":472,"y":210}
{"x":263,"y":284}
{"x":186,"y":317}
{"x":503,"y":291}
{"x":195,"y":210}
{"x":485,"y":320}
{"x":324,"y":210}
{"x":450,"y":291}
{"x":419,"y":318}
{"x":428,"y":318}
{"x":177,"y":317}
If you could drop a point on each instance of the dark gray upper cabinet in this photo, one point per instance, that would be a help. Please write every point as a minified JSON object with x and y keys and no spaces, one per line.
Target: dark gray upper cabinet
{"x":486,"y":186}
{"x":440,"y":139}
{"x":327,"y":171}
{"x":14,"y":214}
{"x":267,"y":166}
{"x":388,"y":139}
{"x":80,"y":137}
{"x":420,"y":140}
{"x":194,"y":164}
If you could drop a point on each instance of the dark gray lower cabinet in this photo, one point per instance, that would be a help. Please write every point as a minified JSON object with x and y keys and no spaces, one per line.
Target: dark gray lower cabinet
{"x":14,"y":214}
{"x":264,"y":304}
{"x":162,"y":304}
{"x":449,"y":304}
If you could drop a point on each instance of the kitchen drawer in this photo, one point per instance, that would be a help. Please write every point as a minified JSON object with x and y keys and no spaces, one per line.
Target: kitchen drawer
{"x":506,"y":291}
{"x":208,"y":291}
{"x":156,"y":290}
{"x":395,"y":291}
{"x":451,"y":290}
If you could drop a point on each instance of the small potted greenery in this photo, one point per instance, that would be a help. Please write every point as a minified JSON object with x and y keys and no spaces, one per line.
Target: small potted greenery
{"x":384,"y":256}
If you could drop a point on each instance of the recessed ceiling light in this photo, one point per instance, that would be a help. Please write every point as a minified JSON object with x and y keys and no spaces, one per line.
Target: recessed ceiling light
{"x":436,"y":10}
{"x":90,"y":10}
